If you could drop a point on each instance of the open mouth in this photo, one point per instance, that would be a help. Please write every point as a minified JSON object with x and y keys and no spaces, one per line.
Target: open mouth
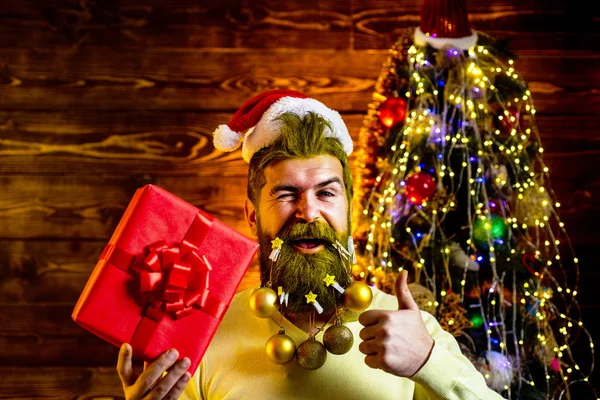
{"x":308,"y":244}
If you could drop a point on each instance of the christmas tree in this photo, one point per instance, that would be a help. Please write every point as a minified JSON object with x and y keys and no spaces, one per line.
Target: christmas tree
{"x":451,"y":185}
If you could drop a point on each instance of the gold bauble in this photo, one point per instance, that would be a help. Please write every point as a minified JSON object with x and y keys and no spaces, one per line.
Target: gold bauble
{"x":533,"y":205}
{"x":263,"y":302}
{"x":338,"y":339}
{"x":311,"y":354}
{"x":280,"y":348}
{"x":358,"y":296}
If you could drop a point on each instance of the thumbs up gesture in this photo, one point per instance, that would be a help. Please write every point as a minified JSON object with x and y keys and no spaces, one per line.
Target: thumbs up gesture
{"x":396,"y":342}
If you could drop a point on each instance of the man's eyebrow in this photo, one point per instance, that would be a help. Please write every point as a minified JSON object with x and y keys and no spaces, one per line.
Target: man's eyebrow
{"x":291,"y":188}
{"x":328,"y":182}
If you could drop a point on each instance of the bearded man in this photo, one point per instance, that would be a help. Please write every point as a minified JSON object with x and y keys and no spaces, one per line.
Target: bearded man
{"x":299,"y":195}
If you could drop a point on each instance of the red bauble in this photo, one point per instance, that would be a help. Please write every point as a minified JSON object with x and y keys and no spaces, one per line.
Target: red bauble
{"x":419,"y":187}
{"x":392,"y":112}
{"x":496,"y":207}
{"x":508,"y":122}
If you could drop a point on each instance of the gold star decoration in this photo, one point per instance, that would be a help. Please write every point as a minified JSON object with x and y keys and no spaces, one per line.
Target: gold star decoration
{"x":276,"y":244}
{"x":310,"y":297}
{"x":329,"y":280}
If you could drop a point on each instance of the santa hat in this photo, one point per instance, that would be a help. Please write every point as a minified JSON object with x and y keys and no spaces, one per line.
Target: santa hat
{"x":445,"y":23}
{"x":258,"y":119}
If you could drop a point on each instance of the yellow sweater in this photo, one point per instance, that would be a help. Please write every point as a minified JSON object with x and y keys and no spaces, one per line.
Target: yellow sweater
{"x":236,"y":366}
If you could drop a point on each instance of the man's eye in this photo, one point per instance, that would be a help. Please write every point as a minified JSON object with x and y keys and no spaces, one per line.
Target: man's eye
{"x":326,"y":193}
{"x":286,"y":196}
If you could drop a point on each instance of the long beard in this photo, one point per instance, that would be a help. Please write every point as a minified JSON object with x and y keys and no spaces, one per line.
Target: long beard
{"x":299,"y":273}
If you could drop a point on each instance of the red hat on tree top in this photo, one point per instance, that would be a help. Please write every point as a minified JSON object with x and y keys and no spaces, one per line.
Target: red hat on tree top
{"x":256,"y":123}
{"x":445,"y":23}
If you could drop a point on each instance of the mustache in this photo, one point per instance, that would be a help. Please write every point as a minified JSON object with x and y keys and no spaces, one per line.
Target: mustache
{"x":310,"y":230}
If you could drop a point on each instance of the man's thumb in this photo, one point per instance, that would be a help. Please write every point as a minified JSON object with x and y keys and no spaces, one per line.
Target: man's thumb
{"x":405,"y":299}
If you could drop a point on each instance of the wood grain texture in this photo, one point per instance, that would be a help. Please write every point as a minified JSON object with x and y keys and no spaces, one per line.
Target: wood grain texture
{"x":91,"y":207}
{"x":60,"y":383}
{"x":526,"y":25}
{"x":216,"y":80}
{"x":98,"y":98}
{"x":340,"y":24}
{"x":129,"y":149}
{"x":56,"y":271}
{"x":160,"y":143}
{"x":200,"y":24}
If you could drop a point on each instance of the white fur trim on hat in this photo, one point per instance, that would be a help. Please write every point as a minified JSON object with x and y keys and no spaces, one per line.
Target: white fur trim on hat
{"x":267,"y":129}
{"x":463,"y":43}
{"x":225,"y":139}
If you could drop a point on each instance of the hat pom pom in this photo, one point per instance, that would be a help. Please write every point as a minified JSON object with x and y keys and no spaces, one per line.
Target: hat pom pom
{"x":226,"y":139}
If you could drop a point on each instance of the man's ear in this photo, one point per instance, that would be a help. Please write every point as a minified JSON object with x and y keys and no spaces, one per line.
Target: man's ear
{"x":251,"y":216}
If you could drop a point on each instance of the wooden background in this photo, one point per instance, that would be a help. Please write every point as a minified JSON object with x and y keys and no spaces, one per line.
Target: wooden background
{"x":98,"y":98}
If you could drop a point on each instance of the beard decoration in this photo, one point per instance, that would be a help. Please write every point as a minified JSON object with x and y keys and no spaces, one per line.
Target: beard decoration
{"x":299,"y":273}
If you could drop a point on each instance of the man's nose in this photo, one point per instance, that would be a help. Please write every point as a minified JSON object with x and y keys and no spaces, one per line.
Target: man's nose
{"x":307,"y":209}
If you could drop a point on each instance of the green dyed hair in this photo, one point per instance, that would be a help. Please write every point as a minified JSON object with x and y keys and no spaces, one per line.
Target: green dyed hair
{"x":299,"y":138}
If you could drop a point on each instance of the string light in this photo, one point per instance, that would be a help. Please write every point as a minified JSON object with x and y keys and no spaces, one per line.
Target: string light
{"x":473,"y":136}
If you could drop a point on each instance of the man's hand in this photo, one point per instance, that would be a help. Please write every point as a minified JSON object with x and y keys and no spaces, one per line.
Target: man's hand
{"x":396,"y":341}
{"x":151,"y":384}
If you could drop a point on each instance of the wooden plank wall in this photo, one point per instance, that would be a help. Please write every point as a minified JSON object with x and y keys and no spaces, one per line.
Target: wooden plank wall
{"x":98,"y":98}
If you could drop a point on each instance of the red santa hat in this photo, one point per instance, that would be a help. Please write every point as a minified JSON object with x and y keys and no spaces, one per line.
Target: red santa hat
{"x":257,"y":118}
{"x":445,"y":23}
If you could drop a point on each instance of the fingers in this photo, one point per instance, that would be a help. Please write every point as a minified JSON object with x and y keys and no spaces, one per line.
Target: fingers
{"x":369,"y":347}
{"x":371,"y":317}
{"x":154,"y":371}
{"x":372,"y":361}
{"x":369,"y":332}
{"x":173,"y":383}
{"x":405,"y":299}
{"x":179,"y":387}
{"x":124,"y":366}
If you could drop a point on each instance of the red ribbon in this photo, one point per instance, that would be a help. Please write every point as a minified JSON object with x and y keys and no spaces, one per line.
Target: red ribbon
{"x":173,"y":279}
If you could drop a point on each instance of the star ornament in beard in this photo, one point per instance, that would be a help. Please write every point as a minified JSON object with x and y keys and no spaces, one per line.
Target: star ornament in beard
{"x":307,"y":255}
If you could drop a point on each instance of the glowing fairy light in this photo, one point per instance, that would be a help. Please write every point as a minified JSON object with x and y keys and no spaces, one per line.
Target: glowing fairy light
{"x":468,"y":134}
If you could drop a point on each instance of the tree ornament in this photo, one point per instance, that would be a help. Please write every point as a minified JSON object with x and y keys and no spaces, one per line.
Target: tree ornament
{"x":275,"y":249}
{"x":459,"y":259}
{"x":351,"y":250}
{"x":338,"y":338}
{"x":452,"y":314}
{"x":475,"y":318}
{"x":534,"y":266}
{"x":311,"y":298}
{"x":535,"y":204}
{"x":496,"y":206}
{"x":284,"y":296}
{"x":263,"y":302}
{"x":392,"y":112}
{"x":497,"y":369}
{"x":419,"y":187}
{"x":344,"y":253}
{"x":311,"y":354}
{"x":488,"y":231}
{"x":546,"y":353}
{"x":424,"y":297}
{"x":280,"y":348}
{"x":508,"y":119}
{"x":330,"y":281}
{"x":358,"y":296}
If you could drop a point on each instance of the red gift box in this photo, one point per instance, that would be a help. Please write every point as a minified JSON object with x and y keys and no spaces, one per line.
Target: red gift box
{"x":165,"y":279}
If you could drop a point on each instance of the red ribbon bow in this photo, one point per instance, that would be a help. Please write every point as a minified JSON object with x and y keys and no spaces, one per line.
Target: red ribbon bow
{"x":173,"y":280}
